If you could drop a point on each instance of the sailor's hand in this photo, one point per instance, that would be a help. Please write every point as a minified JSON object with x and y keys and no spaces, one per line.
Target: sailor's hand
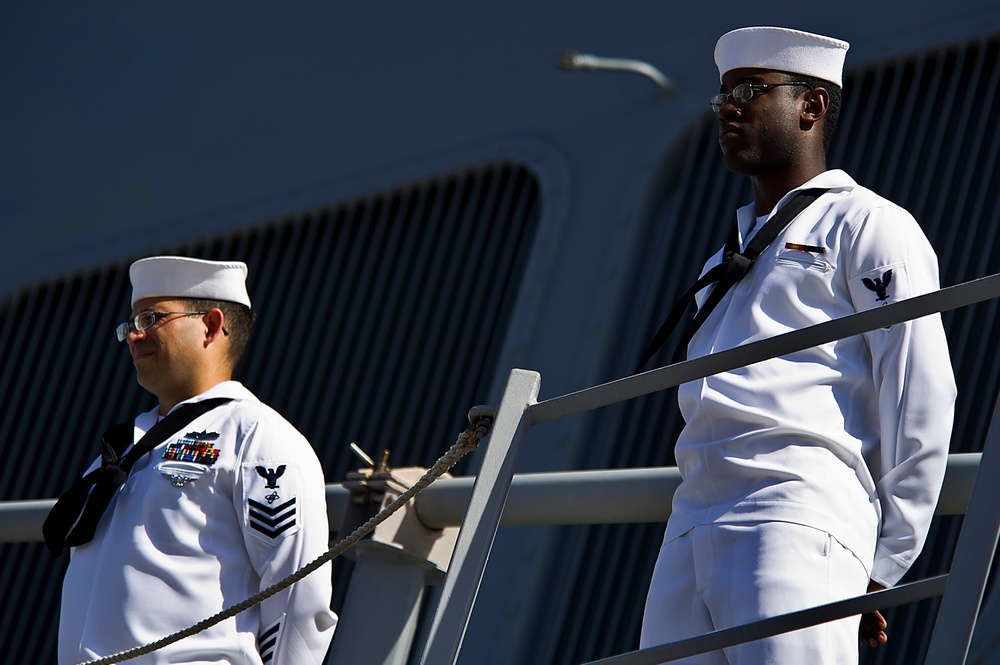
{"x":873,"y":625}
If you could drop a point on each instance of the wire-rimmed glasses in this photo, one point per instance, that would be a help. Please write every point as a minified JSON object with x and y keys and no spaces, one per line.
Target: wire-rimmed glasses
{"x":744,"y":92}
{"x":144,"y":320}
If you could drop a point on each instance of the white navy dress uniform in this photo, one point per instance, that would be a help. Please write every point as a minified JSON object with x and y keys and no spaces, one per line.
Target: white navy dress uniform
{"x":226,"y":507}
{"x":805,"y":476}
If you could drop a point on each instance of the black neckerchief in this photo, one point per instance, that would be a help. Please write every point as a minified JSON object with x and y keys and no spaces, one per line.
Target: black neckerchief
{"x":735,"y":265}
{"x":73,"y":519}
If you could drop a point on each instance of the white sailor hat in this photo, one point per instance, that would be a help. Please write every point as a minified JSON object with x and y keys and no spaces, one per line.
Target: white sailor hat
{"x":182,"y":277}
{"x":782,"y":49}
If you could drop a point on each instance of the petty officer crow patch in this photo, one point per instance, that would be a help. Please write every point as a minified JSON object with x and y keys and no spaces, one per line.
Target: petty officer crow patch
{"x":272,"y":503}
{"x":879,"y":285}
{"x":271,"y":475}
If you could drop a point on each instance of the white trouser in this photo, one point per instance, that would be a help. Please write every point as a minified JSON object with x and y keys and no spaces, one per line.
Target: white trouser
{"x":722,"y":575}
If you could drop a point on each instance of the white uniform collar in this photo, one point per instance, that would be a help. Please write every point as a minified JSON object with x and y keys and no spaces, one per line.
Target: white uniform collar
{"x":832,"y":179}
{"x":234,"y":389}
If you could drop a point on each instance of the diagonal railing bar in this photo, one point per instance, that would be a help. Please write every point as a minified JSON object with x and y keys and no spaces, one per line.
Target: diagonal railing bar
{"x":946,"y":299}
{"x":519,"y":411}
{"x":784,"y":623}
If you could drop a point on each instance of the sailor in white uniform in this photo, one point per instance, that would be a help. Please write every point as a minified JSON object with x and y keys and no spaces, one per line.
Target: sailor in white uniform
{"x":224,"y":507}
{"x":811,"y":477}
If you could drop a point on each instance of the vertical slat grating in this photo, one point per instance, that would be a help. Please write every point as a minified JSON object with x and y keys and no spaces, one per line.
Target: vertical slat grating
{"x":376,"y":318}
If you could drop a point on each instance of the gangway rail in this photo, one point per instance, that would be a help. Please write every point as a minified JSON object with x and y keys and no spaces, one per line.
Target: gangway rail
{"x":497,"y":496}
{"x":783,"y":623}
{"x":605,"y":394}
{"x":599,"y":496}
{"x":519,"y":410}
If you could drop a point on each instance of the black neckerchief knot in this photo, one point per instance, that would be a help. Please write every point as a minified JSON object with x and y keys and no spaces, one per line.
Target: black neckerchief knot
{"x":734,"y":267}
{"x":73,"y":519}
{"x":737,"y":266}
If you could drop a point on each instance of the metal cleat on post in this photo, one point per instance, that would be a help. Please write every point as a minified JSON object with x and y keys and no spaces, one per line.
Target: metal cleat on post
{"x":393,"y":565}
{"x":374,"y":488}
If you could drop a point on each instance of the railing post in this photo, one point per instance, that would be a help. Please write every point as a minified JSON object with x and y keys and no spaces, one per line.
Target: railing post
{"x":970,"y":568}
{"x":475,"y":539}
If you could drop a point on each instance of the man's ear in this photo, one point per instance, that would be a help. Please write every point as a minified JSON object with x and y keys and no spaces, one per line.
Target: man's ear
{"x":215,"y":321}
{"x":817,"y":102}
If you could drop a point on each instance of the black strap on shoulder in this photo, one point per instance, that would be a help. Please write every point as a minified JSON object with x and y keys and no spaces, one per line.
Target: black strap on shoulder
{"x":735,"y":265}
{"x":73,"y":519}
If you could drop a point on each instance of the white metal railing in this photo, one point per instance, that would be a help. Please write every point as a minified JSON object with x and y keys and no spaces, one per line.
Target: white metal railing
{"x":499,"y":496}
{"x":601,"y":496}
{"x":519,"y":410}
{"x":784,"y":623}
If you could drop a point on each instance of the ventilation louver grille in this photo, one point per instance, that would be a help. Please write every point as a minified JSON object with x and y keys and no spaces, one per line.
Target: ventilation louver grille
{"x":380,"y":323}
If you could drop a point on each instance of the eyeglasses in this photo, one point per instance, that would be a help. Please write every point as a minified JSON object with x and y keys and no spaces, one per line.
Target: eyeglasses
{"x":144,"y":320}
{"x":744,"y":92}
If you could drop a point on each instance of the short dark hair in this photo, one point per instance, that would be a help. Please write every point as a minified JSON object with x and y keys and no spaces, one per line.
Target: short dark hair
{"x":240,"y":321}
{"x":832,"y":111}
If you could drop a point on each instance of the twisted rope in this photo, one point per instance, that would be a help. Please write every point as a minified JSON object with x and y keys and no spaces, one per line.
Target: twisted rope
{"x":466,"y":443}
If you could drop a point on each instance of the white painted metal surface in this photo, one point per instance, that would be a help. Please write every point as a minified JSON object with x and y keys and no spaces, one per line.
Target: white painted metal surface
{"x":481,"y":521}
